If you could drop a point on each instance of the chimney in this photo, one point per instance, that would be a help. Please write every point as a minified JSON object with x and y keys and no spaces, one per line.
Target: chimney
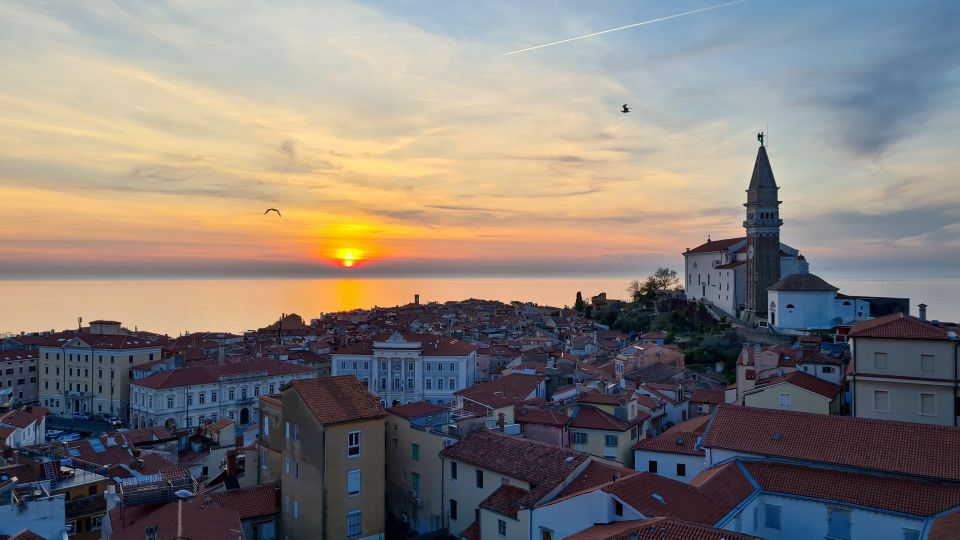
{"x":501,"y":422}
{"x":803,"y":267}
{"x":137,"y":465}
{"x":232,"y":463}
{"x":416,"y":299}
{"x":221,"y":355}
{"x":923,"y":311}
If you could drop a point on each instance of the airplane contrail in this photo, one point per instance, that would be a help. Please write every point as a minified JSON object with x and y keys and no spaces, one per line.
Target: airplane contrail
{"x":651,"y":21}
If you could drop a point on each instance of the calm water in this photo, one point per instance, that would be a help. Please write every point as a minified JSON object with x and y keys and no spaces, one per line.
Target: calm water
{"x":175,"y":306}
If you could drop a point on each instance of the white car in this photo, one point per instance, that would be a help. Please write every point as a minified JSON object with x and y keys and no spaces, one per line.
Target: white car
{"x":81,"y":416}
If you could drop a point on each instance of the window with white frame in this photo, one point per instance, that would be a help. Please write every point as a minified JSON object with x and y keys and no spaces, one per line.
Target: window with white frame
{"x":353,"y":483}
{"x":353,"y":443}
{"x":579,"y":437}
{"x":881,"y":401}
{"x":785,"y":401}
{"x":610,"y":441}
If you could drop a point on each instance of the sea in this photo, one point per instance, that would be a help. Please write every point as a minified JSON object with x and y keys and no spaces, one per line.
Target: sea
{"x":176,"y":306}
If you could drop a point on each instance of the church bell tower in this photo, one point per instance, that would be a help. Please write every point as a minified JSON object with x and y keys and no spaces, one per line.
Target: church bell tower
{"x":763,"y":235}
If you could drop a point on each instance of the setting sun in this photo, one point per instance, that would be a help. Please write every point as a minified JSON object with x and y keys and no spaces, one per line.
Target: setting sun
{"x":349,"y":257}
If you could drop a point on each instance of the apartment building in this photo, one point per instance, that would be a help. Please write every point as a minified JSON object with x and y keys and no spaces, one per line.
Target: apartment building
{"x":333,"y":460}
{"x":264,"y":465}
{"x":189,"y":396}
{"x":416,"y":434}
{"x":904,"y":368}
{"x":404,"y":368}
{"x":18,"y":376}
{"x":89,"y":372}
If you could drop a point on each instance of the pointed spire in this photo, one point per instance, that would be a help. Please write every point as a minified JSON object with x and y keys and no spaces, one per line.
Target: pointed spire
{"x":763,"y":187}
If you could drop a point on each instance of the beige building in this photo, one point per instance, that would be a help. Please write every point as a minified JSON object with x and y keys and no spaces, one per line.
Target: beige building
{"x":333,"y":460}
{"x":89,"y":372}
{"x":797,"y":391}
{"x":265,"y":464}
{"x":416,"y":434}
{"x":904,"y":368}
{"x":608,"y":426}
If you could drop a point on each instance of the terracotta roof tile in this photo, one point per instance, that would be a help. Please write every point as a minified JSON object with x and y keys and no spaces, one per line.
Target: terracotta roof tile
{"x":655,"y":495}
{"x":590,"y":417}
{"x":896,"y":447}
{"x":339,"y":399}
{"x":545,"y":417}
{"x":713,"y":397}
{"x":660,"y":528}
{"x":803,"y":380}
{"x":510,"y":390}
{"x":885,"y":492}
{"x":505,"y":500}
{"x":898,"y":326}
{"x":207,"y":523}
{"x":676,"y":442}
{"x":596,"y":474}
{"x":189,"y":376}
{"x":24,"y":417}
{"x":251,"y":502}
{"x":542,"y":465}
{"x":416,"y":409}
{"x":26,"y":534}
{"x":717,"y":245}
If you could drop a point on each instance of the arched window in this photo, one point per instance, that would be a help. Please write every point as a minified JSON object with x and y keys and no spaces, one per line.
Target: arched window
{"x":846,"y":302}
{"x":789,"y":306}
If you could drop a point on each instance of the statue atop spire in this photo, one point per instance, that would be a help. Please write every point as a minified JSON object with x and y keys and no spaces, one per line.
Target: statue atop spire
{"x":760,"y":137}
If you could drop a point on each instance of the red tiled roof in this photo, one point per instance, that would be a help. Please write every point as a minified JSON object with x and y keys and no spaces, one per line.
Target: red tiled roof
{"x":590,"y":417}
{"x":917,"y":498}
{"x":189,"y":376}
{"x":897,"y":447}
{"x":716,"y":245}
{"x":604,"y":399}
{"x":596,"y":474}
{"x":542,"y":465}
{"x":251,"y":502}
{"x":472,"y":532}
{"x":24,"y":417}
{"x":27,"y":534}
{"x":145,"y":436}
{"x":675,"y":442}
{"x":505,"y":500}
{"x":803,"y":380}
{"x":898,"y":326}
{"x":726,"y":485}
{"x":946,"y":527}
{"x":415,"y":409}
{"x":509,"y":390}
{"x":545,"y":417}
{"x":713,"y":397}
{"x":696,"y":424}
{"x":11,"y":355}
{"x":655,"y":495}
{"x":209,"y":523}
{"x":335,"y":400}
{"x":660,"y":528}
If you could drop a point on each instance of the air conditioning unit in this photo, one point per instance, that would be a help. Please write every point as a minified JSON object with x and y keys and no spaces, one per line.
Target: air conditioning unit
{"x":448,"y":442}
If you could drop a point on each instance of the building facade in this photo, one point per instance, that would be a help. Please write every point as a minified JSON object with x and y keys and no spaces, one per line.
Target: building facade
{"x":89,"y":372}
{"x":904,"y":368}
{"x":18,"y":377}
{"x":188,"y":397}
{"x":333,"y":460}
{"x":408,"y":368}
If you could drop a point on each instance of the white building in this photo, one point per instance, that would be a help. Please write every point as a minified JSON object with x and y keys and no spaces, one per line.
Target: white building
{"x":715,"y":272}
{"x":24,"y":427}
{"x":804,"y":301}
{"x":408,"y":368}
{"x":190,"y":396}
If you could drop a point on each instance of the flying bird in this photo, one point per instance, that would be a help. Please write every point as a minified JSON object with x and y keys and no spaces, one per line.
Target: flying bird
{"x":625,"y":109}
{"x":268,"y":210}
{"x":644,"y":23}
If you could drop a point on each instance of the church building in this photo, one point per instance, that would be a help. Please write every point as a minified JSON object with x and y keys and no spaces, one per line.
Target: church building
{"x":757,"y":278}
{"x":733,"y":274}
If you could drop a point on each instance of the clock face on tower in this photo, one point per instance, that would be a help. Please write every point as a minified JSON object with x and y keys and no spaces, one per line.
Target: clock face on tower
{"x":749,"y":252}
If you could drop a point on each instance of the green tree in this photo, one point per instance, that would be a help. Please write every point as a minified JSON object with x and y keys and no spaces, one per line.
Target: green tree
{"x":664,"y":279}
{"x":578,"y":305}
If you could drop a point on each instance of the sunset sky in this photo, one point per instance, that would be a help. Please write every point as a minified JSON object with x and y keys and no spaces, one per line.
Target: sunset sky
{"x":147,"y":138}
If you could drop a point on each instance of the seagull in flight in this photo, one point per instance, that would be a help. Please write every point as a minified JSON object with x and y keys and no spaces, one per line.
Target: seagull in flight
{"x":268,"y":210}
{"x":625,"y":109}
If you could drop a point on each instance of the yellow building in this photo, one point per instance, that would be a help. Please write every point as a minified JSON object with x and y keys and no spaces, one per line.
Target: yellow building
{"x":333,"y":460}
{"x":607,"y":425}
{"x":416,"y":434}
{"x":89,"y":372}
{"x":796,"y":391}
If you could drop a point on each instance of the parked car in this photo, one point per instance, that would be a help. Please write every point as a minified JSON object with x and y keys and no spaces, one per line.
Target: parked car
{"x":81,"y":416}
{"x":112,"y":420}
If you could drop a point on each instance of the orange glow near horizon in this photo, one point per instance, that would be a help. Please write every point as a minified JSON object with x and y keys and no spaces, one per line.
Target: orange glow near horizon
{"x":349,"y":257}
